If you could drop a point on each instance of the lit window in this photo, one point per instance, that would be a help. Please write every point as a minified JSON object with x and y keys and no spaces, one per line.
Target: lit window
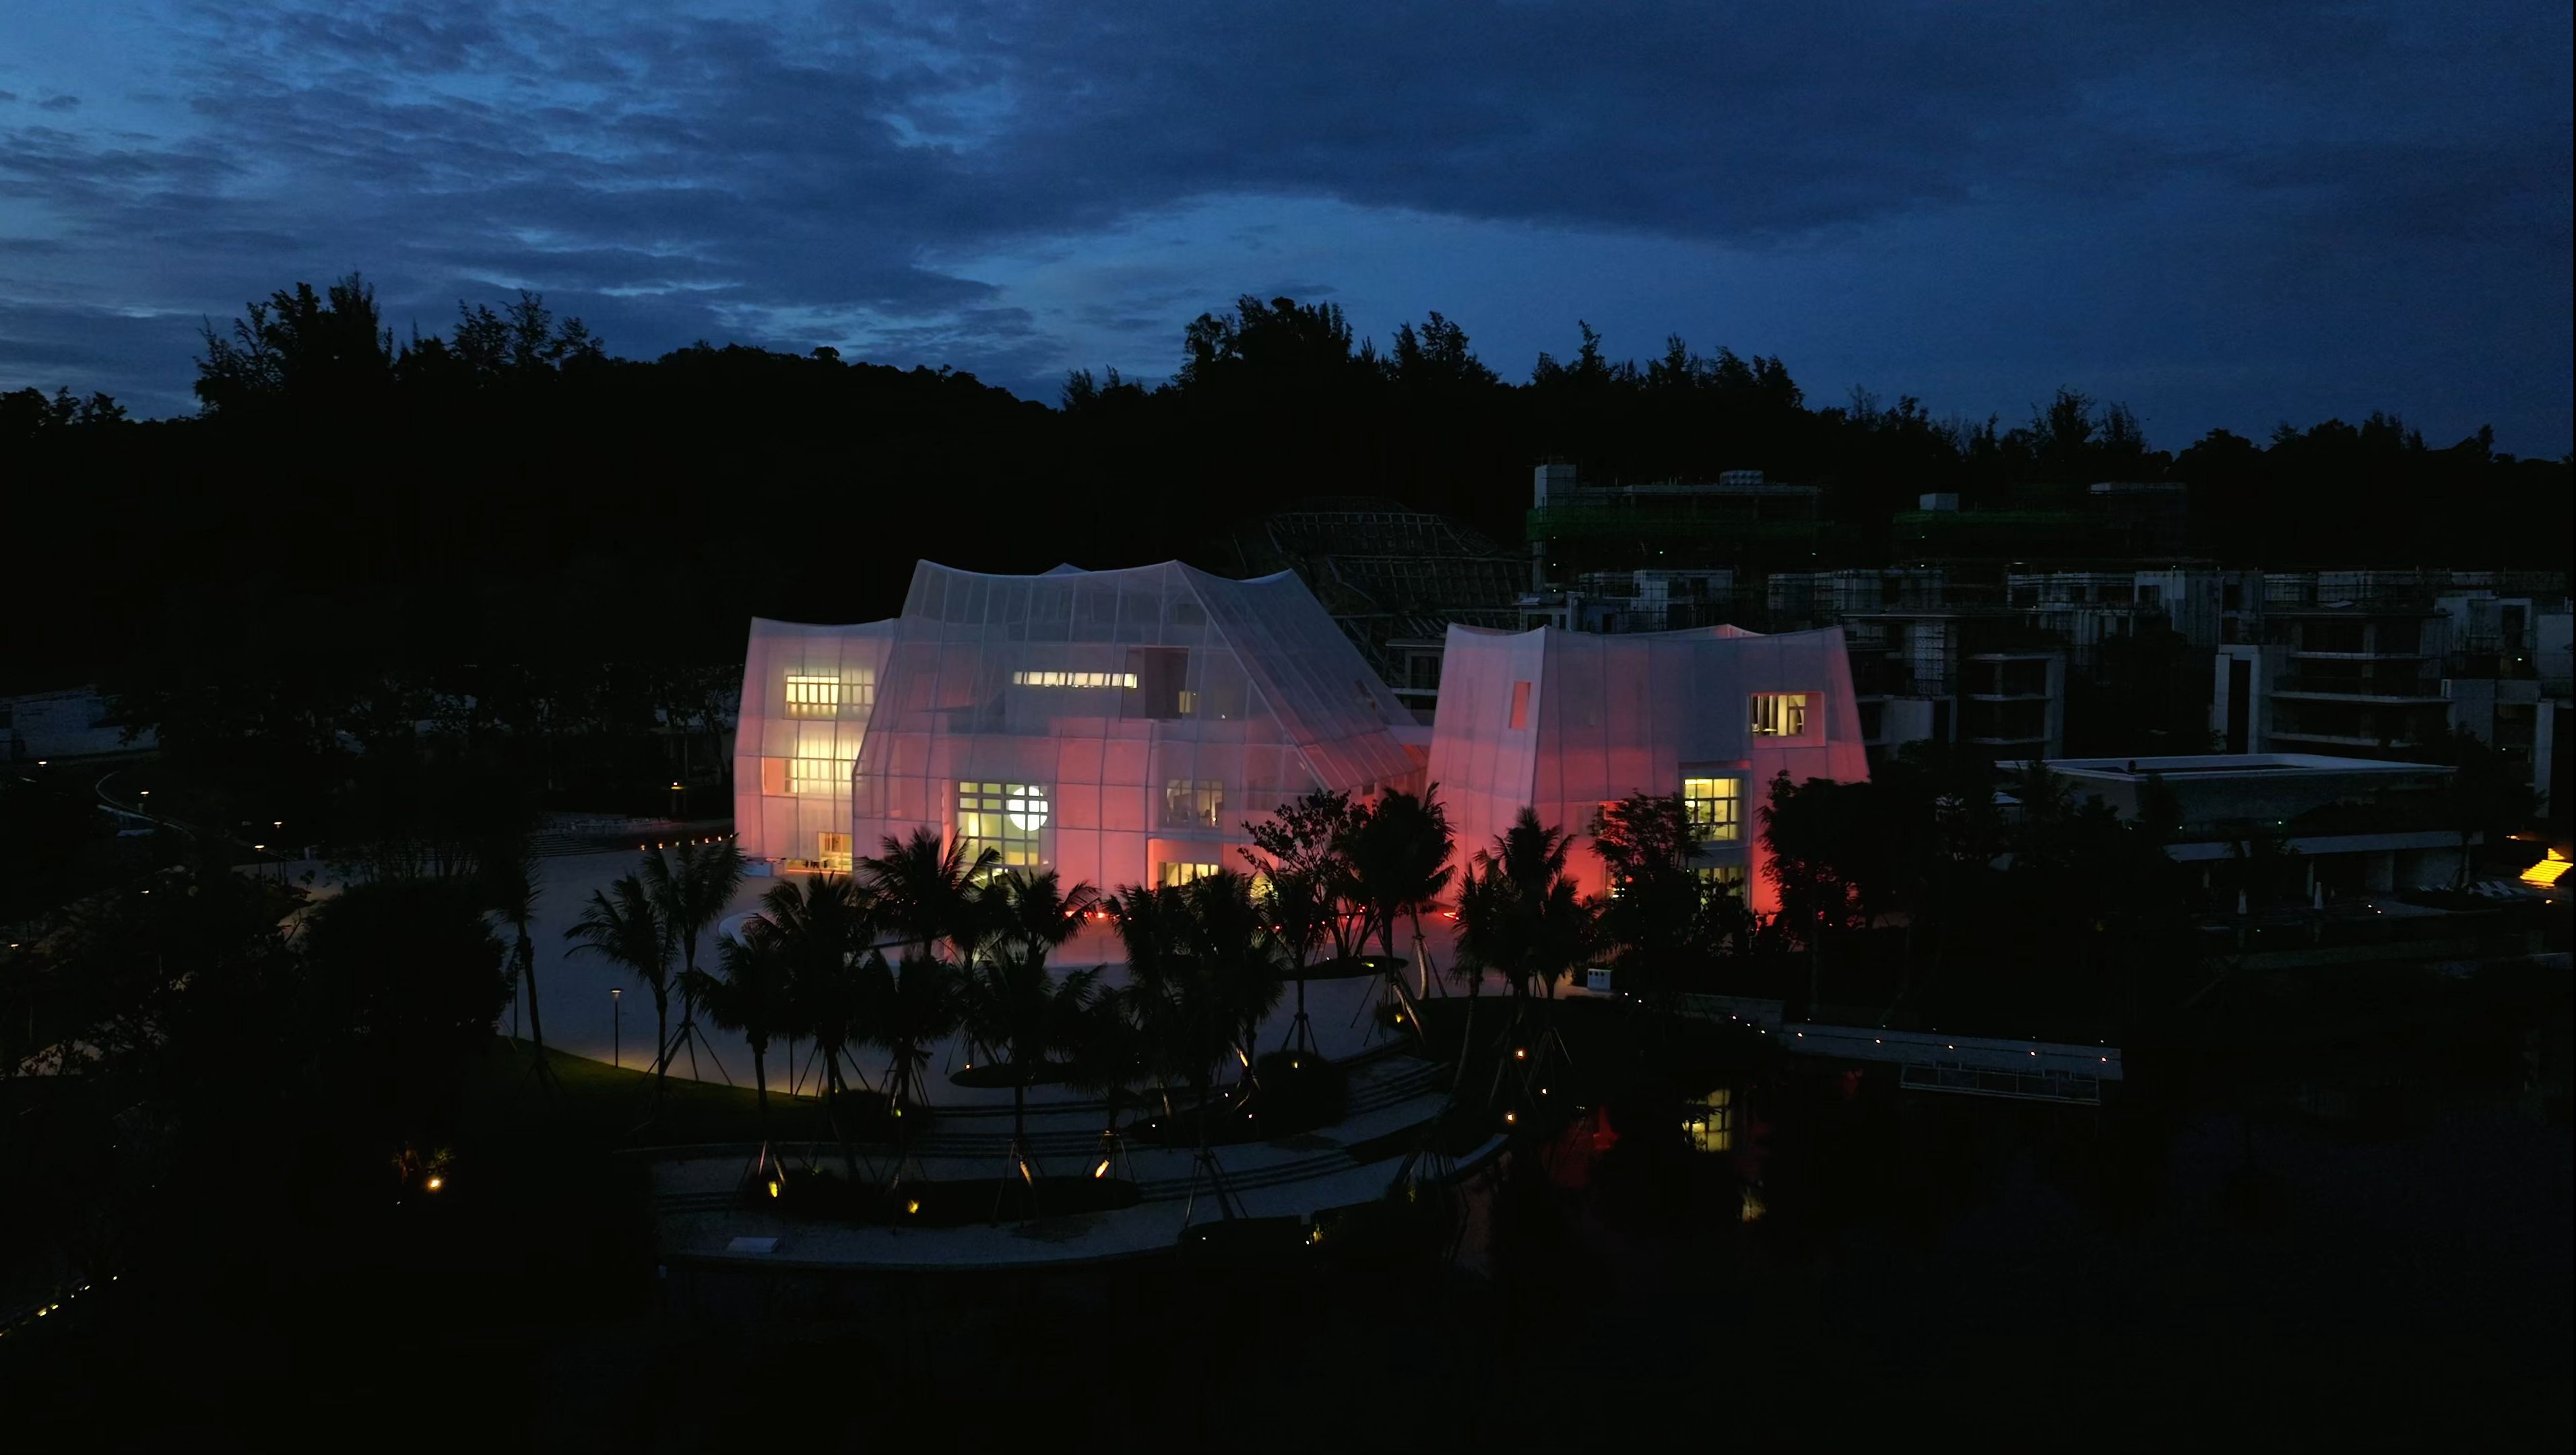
{"x":1711,"y":1124}
{"x":1715,"y":807}
{"x":1779,"y":714}
{"x":818,"y":775}
{"x":815,"y":695}
{"x":1173,"y":876}
{"x":1199,"y":801}
{"x":833,"y":853}
{"x":1126,"y":680}
{"x":1716,"y":879}
{"x":1004,"y":817}
{"x":1520,"y":704}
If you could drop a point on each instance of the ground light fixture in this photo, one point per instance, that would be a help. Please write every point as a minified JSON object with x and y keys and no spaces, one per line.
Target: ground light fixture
{"x":434,"y":1183}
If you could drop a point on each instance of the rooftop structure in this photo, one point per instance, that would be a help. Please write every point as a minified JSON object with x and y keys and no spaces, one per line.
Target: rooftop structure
{"x":1393,"y":578}
{"x":1739,"y":520}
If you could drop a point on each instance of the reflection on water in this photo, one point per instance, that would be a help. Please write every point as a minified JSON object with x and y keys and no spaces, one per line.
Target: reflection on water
{"x":2382,"y":1206}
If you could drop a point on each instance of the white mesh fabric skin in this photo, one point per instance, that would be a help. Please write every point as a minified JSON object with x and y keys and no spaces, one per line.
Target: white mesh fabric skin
{"x":806,"y":695}
{"x":1606,"y":716}
{"x":1107,"y":723}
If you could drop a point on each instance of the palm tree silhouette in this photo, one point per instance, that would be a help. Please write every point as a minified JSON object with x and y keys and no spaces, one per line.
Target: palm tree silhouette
{"x":1399,"y":858}
{"x":1009,"y":1004}
{"x":906,"y":1009}
{"x":1519,"y":915}
{"x":624,"y":924}
{"x":1106,"y":1055}
{"x":929,"y":892}
{"x":823,"y":929}
{"x":689,"y":890}
{"x":750,"y":997}
{"x":1203,"y":973}
{"x":512,"y":887}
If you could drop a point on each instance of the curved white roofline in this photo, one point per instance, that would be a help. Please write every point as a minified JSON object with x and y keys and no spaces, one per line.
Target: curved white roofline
{"x":758,"y":622}
{"x":1073,"y":570}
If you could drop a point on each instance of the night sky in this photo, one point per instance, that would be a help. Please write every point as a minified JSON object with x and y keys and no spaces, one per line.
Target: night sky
{"x":2226,"y":214}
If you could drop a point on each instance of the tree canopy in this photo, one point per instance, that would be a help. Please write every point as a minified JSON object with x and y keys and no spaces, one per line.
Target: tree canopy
{"x":510,"y":491}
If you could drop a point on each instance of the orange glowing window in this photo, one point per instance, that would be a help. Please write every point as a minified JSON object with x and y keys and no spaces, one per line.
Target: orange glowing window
{"x":1520,"y":704}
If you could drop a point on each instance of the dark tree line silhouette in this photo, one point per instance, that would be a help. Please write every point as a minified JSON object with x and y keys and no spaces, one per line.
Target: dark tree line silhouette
{"x":511,"y":490}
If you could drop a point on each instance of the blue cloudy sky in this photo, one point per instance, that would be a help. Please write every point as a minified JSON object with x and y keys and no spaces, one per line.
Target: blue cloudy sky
{"x":2227,"y":214}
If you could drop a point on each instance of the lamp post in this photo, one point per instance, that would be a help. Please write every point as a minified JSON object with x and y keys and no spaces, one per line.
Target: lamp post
{"x":617,"y":1026}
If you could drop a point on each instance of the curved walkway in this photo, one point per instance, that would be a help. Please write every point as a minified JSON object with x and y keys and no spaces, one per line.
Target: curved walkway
{"x":702,"y":1218}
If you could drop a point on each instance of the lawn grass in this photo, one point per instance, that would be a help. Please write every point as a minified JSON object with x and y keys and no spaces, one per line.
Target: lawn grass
{"x":604,"y":1108}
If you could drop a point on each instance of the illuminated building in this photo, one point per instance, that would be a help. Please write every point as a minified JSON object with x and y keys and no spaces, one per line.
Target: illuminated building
{"x":1118,"y":727}
{"x":1565,"y":722}
{"x":806,"y":695}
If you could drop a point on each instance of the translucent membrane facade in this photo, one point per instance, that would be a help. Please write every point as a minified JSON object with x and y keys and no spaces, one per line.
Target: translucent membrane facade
{"x":1118,"y":727}
{"x":806,"y":695}
{"x":1567,"y":722}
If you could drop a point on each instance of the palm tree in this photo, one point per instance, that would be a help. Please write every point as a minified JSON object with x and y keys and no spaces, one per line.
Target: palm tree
{"x":1240,"y":957}
{"x":1009,"y":1004}
{"x":1170,"y":992}
{"x":1019,"y":1013}
{"x":929,"y":892}
{"x":822,"y":928}
{"x":1106,"y":1056}
{"x":690,"y":890}
{"x":751,"y":997}
{"x":1399,"y":857}
{"x":1519,"y":914}
{"x":513,"y":891}
{"x":624,"y":924}
{"x":1554,"y":924}
{"x":906,"y":1010}
{"x":1032,"y":912}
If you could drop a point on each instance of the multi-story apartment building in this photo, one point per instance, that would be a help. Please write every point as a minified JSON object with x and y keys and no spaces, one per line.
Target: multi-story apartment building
{"x":2347,"y":662}
{"x":2388,"y":663}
